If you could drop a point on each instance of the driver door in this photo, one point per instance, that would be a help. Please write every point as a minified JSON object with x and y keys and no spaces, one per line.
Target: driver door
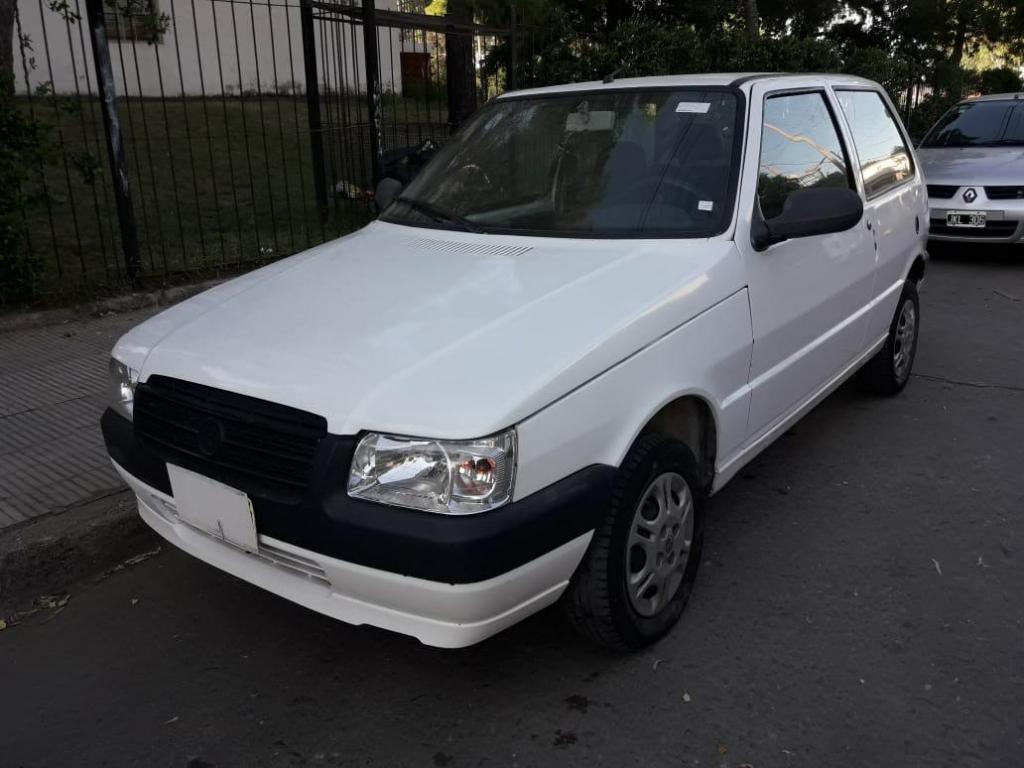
{"x":808,"y":295}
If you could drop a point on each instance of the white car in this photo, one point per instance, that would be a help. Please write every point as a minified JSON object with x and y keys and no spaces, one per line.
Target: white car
{"x":973,"y":162}
{"x":519,"y":385}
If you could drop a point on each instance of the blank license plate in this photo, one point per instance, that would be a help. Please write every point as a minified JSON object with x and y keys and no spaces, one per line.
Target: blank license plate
{"x":965,"y":219}
{"x":213,"y":508}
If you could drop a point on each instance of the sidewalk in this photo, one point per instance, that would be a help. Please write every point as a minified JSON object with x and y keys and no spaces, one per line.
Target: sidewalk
{"x":53,"y":389}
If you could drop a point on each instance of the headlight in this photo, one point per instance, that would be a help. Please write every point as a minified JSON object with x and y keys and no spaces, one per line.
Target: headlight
{"x":455,"y":477}
{"x":122,"y":387}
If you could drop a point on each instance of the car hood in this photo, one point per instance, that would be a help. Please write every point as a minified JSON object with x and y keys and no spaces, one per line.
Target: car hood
{"x":439,"y":334}
{"x":961,"y":166}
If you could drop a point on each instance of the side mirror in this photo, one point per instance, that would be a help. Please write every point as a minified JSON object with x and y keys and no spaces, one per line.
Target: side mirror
{"x":807,"y":212}
{"x":387,"y":190}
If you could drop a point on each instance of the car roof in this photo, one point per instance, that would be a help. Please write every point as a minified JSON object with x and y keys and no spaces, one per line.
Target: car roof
{"x":734,"y":79}
{"x":995,"y":97}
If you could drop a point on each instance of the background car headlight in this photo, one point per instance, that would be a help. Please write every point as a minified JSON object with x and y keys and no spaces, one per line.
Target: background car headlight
{"x":122,"y":387}
{"x":455,"y":477}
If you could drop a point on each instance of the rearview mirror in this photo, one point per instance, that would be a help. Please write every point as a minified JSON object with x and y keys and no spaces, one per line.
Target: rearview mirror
{"x":807,"y":212}
{"x":387,"y":190}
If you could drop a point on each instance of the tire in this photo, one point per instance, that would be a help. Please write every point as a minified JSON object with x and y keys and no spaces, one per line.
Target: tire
{"x":598,"y":601}
{"x":888,"y":372}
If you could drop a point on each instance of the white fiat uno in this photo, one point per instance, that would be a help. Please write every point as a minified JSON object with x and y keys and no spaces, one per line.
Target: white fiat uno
{"x":521,"y":383}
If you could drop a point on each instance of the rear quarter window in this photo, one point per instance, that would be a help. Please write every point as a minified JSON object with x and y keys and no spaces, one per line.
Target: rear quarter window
{"x":885,"y":160}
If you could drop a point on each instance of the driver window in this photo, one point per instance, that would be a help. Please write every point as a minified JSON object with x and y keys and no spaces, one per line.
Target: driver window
{"x":800,"y":148}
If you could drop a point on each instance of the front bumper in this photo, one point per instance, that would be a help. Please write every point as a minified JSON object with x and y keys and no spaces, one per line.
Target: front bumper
{"x":1005,"y":218}
{"x":448,"y":581}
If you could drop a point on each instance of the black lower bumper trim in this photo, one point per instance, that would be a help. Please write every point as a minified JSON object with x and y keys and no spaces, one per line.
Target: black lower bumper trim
{"x":445,"y":548}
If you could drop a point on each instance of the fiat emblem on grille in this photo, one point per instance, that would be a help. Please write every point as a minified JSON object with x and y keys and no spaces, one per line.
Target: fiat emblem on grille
{"x":210,"y":436}
{"x":970,"y":195}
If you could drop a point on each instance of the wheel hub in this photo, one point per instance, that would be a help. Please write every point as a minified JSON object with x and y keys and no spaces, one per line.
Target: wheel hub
{"x":904,"y":339}
{"x":659,"y":543}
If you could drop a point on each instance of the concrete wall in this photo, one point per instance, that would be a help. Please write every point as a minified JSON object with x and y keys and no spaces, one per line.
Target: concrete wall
{"x":260,"y":46}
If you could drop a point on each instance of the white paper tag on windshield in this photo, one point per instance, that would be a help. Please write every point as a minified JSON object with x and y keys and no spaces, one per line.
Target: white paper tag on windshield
{"x":694,"y":107}
{"x":706,"y":205}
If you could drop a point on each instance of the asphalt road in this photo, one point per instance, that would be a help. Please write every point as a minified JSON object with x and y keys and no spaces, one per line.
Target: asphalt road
{"x":861,"y":604}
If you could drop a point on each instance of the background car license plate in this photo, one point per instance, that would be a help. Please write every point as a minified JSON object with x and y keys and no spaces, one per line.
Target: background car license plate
{"x":967,"y":219}
{"x":214,"y":508}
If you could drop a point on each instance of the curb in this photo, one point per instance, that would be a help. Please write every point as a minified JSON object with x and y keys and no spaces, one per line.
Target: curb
{"x":52,"y":554}
{"x":130,"y":302}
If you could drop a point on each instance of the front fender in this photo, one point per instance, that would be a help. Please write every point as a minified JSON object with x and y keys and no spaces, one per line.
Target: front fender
{"x":708,"y":357}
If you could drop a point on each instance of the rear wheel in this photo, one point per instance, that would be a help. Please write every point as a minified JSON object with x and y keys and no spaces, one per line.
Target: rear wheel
{"x":639,"y":570}
{"x":888,"y":372}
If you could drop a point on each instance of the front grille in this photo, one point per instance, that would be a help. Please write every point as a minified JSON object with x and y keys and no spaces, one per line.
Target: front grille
{"x":941,"y":191}
{"x":1005,"y":193}
{"x":993,"y":229}
{"x":259,"y":447}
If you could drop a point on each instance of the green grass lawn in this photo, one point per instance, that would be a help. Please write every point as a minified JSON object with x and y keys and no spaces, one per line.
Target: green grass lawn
{"x":217,"y":186}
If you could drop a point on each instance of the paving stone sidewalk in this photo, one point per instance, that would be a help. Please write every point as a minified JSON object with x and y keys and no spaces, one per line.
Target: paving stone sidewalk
{"x":53,"y":389}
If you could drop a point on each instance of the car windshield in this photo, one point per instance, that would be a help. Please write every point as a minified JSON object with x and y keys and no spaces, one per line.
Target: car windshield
{"x":978,"y":124}
{"x":612,"y":163}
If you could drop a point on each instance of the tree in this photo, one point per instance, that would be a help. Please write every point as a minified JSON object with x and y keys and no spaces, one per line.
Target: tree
{"x":753,"y":19}
{"x":7,"y":46}
{"x":459,"y":63}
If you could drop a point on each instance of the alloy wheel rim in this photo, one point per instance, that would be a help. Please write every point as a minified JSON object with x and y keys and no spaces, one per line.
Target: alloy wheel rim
{"x":659,"y":544}
{"x":903,"y":343}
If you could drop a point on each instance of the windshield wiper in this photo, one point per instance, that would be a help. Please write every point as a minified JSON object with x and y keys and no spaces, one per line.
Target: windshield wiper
{"x":439,"y":213}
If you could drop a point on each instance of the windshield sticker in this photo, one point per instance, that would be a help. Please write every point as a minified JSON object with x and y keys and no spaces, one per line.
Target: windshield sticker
{"x":706,"y":205}
{"x":694,"y":107}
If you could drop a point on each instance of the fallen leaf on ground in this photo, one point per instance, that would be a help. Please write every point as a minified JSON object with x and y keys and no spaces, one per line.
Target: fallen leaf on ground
{"x":136,"y":559}
{"x":52,"y":601}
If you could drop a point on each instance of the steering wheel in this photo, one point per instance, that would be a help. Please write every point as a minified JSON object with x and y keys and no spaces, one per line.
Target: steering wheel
{"x":473,"y":175}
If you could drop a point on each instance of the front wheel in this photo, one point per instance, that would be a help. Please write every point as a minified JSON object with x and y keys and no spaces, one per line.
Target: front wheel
{"x":642,"y":562}
{"x":888,"y":372}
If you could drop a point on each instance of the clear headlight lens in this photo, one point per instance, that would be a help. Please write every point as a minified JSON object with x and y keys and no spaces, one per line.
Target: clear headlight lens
{"x":455,"y":477}
{"x":122,"y":387}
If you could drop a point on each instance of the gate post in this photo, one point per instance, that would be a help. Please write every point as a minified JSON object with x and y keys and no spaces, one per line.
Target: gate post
{"x":115,"y":141}
{"x":316,"y":137}
{"x":373,"y":102}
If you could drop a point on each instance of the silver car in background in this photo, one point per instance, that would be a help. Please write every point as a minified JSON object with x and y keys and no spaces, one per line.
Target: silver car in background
{"x":973,"y":162}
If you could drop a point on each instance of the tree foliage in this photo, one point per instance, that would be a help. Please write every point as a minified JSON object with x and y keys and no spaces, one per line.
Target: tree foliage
{"x":896,"y":42}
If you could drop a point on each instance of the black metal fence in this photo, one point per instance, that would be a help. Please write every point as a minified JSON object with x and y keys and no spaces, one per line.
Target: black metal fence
{"x":185,"y":138}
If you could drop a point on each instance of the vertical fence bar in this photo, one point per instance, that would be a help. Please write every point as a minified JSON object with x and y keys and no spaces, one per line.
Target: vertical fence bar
{"x":513,"y":47}
{"x":373,"y":104}
{"x":209,"y":134}
{"x":316,"y":137}
{"x":64,"y":151}
{"x":27,"y":67}
{"x":115,"y":141}
{"x":227,"y":132}
{"x":295,"y":116}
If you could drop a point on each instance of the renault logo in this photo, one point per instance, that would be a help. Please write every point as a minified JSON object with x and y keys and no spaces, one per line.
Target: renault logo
{"x":210,"y":436}
{"x":970,"y":195}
